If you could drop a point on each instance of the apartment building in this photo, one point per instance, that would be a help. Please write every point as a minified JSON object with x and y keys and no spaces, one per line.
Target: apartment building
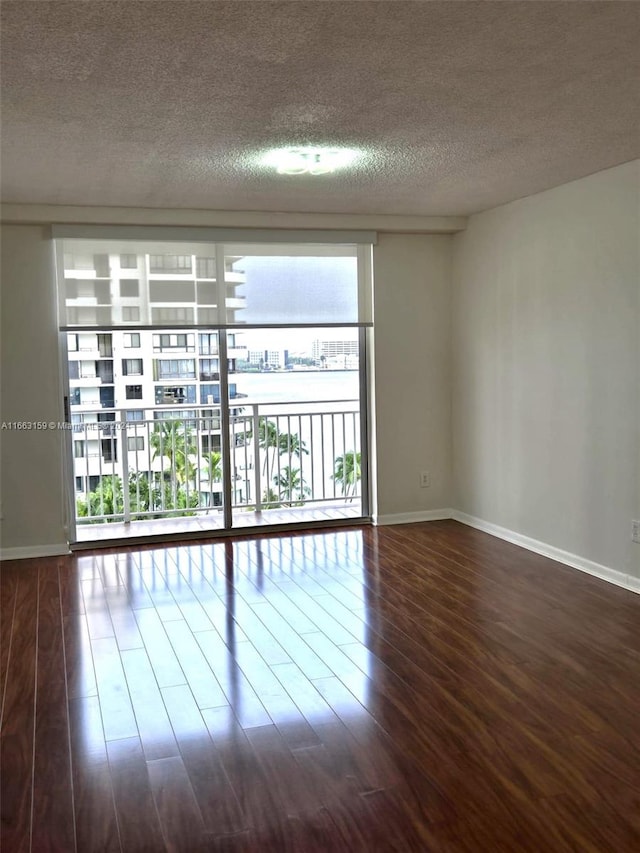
{"x":268,"y":358}
{"x":142,"y":375}
{"x":336,"y":354}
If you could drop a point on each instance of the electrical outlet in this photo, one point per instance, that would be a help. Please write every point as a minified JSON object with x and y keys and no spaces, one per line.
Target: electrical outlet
{"x":635,"y":531}
{"x":425,"y":480}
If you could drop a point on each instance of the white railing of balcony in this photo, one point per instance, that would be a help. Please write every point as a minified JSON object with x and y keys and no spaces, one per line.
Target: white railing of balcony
{"x":307,"y":454}
{"x":282,"y":455}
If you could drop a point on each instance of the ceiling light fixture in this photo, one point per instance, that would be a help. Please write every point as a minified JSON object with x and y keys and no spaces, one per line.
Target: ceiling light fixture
{"x":309,"y":160}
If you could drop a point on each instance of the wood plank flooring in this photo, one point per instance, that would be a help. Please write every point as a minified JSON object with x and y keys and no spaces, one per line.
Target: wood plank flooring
{"x":416,"y":688}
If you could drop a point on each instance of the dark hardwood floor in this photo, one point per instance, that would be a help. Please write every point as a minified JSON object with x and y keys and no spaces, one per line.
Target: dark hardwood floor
{"x":424,"y":687}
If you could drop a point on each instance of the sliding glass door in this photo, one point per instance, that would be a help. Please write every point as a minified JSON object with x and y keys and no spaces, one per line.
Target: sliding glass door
{"x":213,"y":385}
{"x":296,"y":431}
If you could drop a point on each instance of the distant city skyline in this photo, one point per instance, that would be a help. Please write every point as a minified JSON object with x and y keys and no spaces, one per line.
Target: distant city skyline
{"x":297,"y":341}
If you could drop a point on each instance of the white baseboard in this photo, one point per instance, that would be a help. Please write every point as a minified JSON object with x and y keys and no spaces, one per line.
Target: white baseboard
{"x":35,"y":551}
{"x":568,"y":559}
{"x":565,"y":557}
{"x":412,"y":517}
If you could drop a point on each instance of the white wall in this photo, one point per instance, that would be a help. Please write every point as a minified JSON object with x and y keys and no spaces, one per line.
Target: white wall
{"x":541,"y":370}
{"x":413,"y":372}
{"x":30,"y":460}
{"x":412,"y":382}
{"x":546,"y":370}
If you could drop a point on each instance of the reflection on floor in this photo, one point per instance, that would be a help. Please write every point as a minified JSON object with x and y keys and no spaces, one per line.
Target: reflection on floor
{"x":206,"y":523}
{"x":416,"y":688}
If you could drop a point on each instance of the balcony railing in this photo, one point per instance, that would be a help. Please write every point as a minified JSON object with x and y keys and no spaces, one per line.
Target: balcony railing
{"x":88,"y":380}
{"x":281,"y":455}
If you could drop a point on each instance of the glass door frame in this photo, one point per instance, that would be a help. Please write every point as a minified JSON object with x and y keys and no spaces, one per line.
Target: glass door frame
{"x":365,"y":378}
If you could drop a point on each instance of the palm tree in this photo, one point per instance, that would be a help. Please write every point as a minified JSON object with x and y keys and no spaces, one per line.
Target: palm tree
{"x":291,"y":445}
{"x":212,"y":470}
{"x":213,"y":466}
{"x":162,"y":496}
{"x":270,"y":499}
{"x":174,"y":441}
{"x":106,"y":499}
{"x":347,"y":472}
{"x":139,"y":492}
{"x":267,"y":439}
{"x":292,"y":486}
{"x":275,"y":443}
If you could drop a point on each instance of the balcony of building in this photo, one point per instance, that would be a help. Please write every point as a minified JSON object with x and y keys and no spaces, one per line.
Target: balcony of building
{"x":165,"y":473}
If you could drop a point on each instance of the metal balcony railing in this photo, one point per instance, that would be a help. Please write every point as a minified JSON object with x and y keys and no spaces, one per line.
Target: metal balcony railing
{"x":281,"y":455}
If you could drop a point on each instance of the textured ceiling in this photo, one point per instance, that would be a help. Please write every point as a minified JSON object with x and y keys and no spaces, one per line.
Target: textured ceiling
{"x":459,"y":106}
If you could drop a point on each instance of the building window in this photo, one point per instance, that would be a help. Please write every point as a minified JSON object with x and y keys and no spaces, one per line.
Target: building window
{"x":74,"y":396}
{"x":134,"y":415}
{"x":72,"y":343}
{"x":206,"y":267}
{"x":104,"y":372}
{"x":79,"y":449}
{"x":74,"y":372}
{"x":79,"y":484}
{"x":133,"y":392}
{"x":212,"y":498}
{"x":209,"y":344}
{"x":107,"y":398}
{"x":129,"y":287}
{"x":186,"y":417}
{"x":128,"y":262}
{"x":101,"y":265}
{"x":109,"y":450}
{"x":208,"y":316}
{"x":132,"y":340}
{"x":177,"y":315}
{"x":209,"y":369}
{"x":135,"y":442}
{"x":130,"y":314}
{"x":210,"y":444}
{"x":104,"y":345}
{"x":170,"y":263}
{"x":175,"y":394}
{"x":165,"y":342}
{"x":174,"y":368}
{"x":132,"y":367}
{"x":209,"y":394}
{"x":109,"y":419}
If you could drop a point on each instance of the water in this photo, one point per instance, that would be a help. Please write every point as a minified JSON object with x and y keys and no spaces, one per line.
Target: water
{"x":298,"y":386}
{"x":328,"y":429}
